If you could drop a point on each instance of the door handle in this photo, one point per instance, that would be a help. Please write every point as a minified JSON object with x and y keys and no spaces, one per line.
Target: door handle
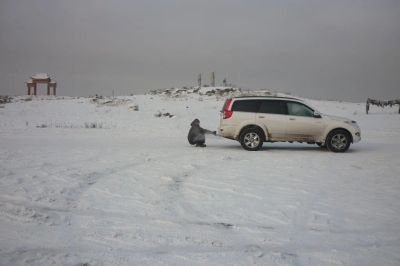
{"x":261,"y":116}
{"x":292,"y":118}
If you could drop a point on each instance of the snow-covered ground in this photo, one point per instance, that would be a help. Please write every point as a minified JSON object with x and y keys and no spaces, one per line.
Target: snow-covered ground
{"x":100,"y":183}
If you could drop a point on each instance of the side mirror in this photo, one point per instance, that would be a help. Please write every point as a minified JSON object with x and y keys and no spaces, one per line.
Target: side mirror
{"x":317,"y":115}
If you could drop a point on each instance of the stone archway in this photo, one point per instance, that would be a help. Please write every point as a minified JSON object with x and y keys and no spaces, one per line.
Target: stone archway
{"x":41,"y":78}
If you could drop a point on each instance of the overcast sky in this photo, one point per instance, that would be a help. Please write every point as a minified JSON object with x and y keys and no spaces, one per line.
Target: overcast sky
{"x":347,"y":50}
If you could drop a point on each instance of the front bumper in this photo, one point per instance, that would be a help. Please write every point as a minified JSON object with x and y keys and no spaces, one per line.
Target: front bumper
{"x":356,"y":136}
{"x":356,"y":133}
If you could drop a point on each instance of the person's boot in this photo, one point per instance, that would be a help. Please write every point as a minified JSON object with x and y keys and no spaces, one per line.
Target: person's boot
{"x":201,"y":145}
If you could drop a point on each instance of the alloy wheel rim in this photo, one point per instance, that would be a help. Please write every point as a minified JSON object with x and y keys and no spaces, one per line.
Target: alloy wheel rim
{"x":339,"y":141}
{"x":251,"y":140}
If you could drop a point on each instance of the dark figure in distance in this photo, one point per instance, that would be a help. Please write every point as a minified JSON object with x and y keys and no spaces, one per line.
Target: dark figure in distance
{"x":196,"y":134}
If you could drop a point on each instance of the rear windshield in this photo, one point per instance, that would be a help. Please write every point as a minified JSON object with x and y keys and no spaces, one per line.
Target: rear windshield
{"x":246,"y":106}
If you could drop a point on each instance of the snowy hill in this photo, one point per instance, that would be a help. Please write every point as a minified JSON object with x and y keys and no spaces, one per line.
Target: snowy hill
{"x":114,"y":182}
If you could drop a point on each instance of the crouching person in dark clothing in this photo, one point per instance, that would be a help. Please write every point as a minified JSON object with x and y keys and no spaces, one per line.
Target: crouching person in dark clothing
{"x":196,"y":134}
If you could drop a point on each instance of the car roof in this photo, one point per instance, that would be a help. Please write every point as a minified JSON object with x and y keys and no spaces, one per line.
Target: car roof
{"x":266,"y":97}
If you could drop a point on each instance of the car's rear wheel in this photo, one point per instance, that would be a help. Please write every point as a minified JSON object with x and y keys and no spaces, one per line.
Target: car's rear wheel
{"x":251,"y":139}
{"x":338,"y":140}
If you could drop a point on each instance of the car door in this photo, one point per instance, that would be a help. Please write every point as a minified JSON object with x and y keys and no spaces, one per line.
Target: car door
{"x":272,"y":115}
{"x":302,"y":125}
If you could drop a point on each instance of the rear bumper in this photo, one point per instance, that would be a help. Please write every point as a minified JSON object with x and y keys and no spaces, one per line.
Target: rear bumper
{"x":227,"y":132}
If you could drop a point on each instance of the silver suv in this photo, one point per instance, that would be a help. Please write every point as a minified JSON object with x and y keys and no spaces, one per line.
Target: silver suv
{"x":254,"y":120}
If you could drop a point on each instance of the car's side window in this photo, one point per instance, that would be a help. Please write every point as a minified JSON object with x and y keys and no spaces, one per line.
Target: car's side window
{"x":273,"y":107}
{"x":299,"y":109}
{"x":246,"y":106}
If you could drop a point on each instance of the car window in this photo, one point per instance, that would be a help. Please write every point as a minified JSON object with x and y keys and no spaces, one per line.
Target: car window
{"x":299,"y":109}
{"x":246,"y":105}
{"x":273,"y":107}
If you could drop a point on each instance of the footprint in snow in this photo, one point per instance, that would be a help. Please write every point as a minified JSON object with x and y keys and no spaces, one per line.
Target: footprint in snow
{"x":224,"y":225}
{"x":254,"y":250}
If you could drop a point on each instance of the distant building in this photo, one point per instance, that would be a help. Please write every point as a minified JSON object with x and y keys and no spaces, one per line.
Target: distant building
{"x":41,"y":78}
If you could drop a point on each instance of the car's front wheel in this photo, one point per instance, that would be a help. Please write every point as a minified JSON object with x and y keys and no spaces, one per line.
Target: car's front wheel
{"x":251,"y":139}
{"x":338,"y":140}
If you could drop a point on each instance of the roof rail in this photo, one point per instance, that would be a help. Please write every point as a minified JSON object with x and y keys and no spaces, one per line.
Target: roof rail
{"x":269,"y":97}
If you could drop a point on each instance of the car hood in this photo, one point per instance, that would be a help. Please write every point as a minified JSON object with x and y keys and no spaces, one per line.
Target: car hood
{"x":336,"y":118}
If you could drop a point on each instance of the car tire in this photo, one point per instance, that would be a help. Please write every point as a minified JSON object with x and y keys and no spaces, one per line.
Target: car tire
{"x":338,"y":140}
{"x":251,"y":139}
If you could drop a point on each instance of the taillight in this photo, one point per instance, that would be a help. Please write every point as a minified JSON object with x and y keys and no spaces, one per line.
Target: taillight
{"x":227,"y":113}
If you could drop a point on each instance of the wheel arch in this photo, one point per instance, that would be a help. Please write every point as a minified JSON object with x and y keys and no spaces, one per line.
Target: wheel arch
{"x":339,"y":128}
{"x":253,"y":126}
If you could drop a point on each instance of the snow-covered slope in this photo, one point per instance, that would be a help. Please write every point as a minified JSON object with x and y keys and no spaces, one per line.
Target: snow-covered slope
{"x":97,"y":182}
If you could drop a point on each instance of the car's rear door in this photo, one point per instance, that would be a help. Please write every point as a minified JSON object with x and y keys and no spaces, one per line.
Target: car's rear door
{"x":272,"y":114}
